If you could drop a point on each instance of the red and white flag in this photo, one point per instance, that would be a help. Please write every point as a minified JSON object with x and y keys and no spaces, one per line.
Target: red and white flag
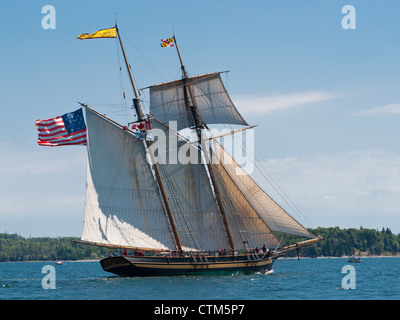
{"x":142,"y":129}
{"x":68,"y":129}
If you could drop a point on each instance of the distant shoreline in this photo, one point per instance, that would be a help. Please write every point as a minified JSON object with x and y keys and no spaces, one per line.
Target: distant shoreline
{"x":281,"y":258}
{"x":336,"y":243}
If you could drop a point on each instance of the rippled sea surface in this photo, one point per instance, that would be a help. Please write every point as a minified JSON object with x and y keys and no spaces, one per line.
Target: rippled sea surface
{"x":305,"y":279}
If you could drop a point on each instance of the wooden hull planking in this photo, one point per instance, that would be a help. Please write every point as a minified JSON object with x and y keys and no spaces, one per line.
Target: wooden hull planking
{"x":131,"y":266}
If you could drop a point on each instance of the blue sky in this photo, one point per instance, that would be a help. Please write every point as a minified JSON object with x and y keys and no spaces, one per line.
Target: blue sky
{"x":326,"y":100}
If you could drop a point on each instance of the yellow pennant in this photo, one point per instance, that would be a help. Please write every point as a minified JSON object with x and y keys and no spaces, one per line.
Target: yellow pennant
{"x":104,"y":33}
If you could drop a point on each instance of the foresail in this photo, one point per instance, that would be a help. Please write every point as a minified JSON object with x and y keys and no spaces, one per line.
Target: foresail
{"x":123,"y":205}
{"x":169,"y":102}
{"x":267,"y":209}
{"x":189,"y":193}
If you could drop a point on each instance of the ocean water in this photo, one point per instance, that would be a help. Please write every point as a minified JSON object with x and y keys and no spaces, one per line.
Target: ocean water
{"x":305,"y":279}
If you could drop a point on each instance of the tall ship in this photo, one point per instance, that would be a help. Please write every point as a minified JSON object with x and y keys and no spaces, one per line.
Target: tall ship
{"x":174,"y":205}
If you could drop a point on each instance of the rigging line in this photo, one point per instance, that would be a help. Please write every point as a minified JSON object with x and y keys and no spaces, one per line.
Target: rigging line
{"x":194,"y":144}
{"x":192,"y":80}
{"x":147,"y":60}
{"x":179,"y":216}
{"x":179,"y":84}
{"x":270,"y":173}
{"x":282,"y":190}
{"x":248,"y":190}
{"x":121,"y":83}
{"x":116,"y":111}
{"x":273,"y":185}
{"x":172,"y":130}
{"x":179,"y":194}
{"x":187,"y":58}
{"x":232,"y":214}
{"x":145,"y":102}
{"x":248,"y":202}
{"x":275,"y":188}
{"x":151,"y":161}
{"x":232,"y":208}
{"x":284,"y":196}
{"x":189,"y":232}
{"x":108,"y":105}
{"x":289,"y":198}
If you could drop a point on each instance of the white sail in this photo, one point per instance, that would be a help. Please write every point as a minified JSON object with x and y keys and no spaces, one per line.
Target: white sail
{"x":169,"y":102}
{"x":267,"y":209}
{"x":189,"y":193}
{"x":123,"y":205}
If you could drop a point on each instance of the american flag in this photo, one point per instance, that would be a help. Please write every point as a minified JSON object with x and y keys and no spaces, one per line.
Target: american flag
{"x":68,"y":129}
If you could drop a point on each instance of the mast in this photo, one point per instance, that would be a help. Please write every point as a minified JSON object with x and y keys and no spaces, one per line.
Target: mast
{"x":199,"y":125}
{"x":196,"y":117}
{"x":136,"y":101}
{"x":139,"y":112}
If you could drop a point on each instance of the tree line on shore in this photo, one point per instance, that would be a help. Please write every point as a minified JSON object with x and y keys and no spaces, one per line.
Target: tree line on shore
{"x":348,"y":242}
{"x":14,"y":247}
{"x":337,"y":243}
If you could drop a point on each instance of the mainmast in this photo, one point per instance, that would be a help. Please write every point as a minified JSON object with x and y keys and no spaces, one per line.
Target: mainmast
{"x":199,"y":125}
{"x":139,"y":112}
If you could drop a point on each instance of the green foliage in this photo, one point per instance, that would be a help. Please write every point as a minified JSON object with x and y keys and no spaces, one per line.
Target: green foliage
{"x":337,"y":242}
{"x":346,"y":242}
{"x":16,"y":248}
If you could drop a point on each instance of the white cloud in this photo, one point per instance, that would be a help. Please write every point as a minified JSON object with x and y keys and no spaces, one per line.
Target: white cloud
{"x":389,"y":109}
{"x":265,"y":104}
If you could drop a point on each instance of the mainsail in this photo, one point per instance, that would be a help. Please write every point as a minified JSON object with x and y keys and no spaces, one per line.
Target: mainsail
{"x":169,"y":102}
{"x":123,"y":204}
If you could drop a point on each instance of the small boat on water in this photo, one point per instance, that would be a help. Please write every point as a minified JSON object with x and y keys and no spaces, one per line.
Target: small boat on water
{"x":354,"y":259}
{"x":59,"y":262}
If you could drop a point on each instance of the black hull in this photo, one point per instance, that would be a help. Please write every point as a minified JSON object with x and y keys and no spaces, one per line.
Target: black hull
{"x":131,"y":266}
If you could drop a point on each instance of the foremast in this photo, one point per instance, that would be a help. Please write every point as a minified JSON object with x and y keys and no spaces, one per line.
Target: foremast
{"x":199,"y":126}
{"x":140,"y":115}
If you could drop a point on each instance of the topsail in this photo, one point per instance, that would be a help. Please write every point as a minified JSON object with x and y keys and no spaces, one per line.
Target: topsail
{"x":169,"y":102}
